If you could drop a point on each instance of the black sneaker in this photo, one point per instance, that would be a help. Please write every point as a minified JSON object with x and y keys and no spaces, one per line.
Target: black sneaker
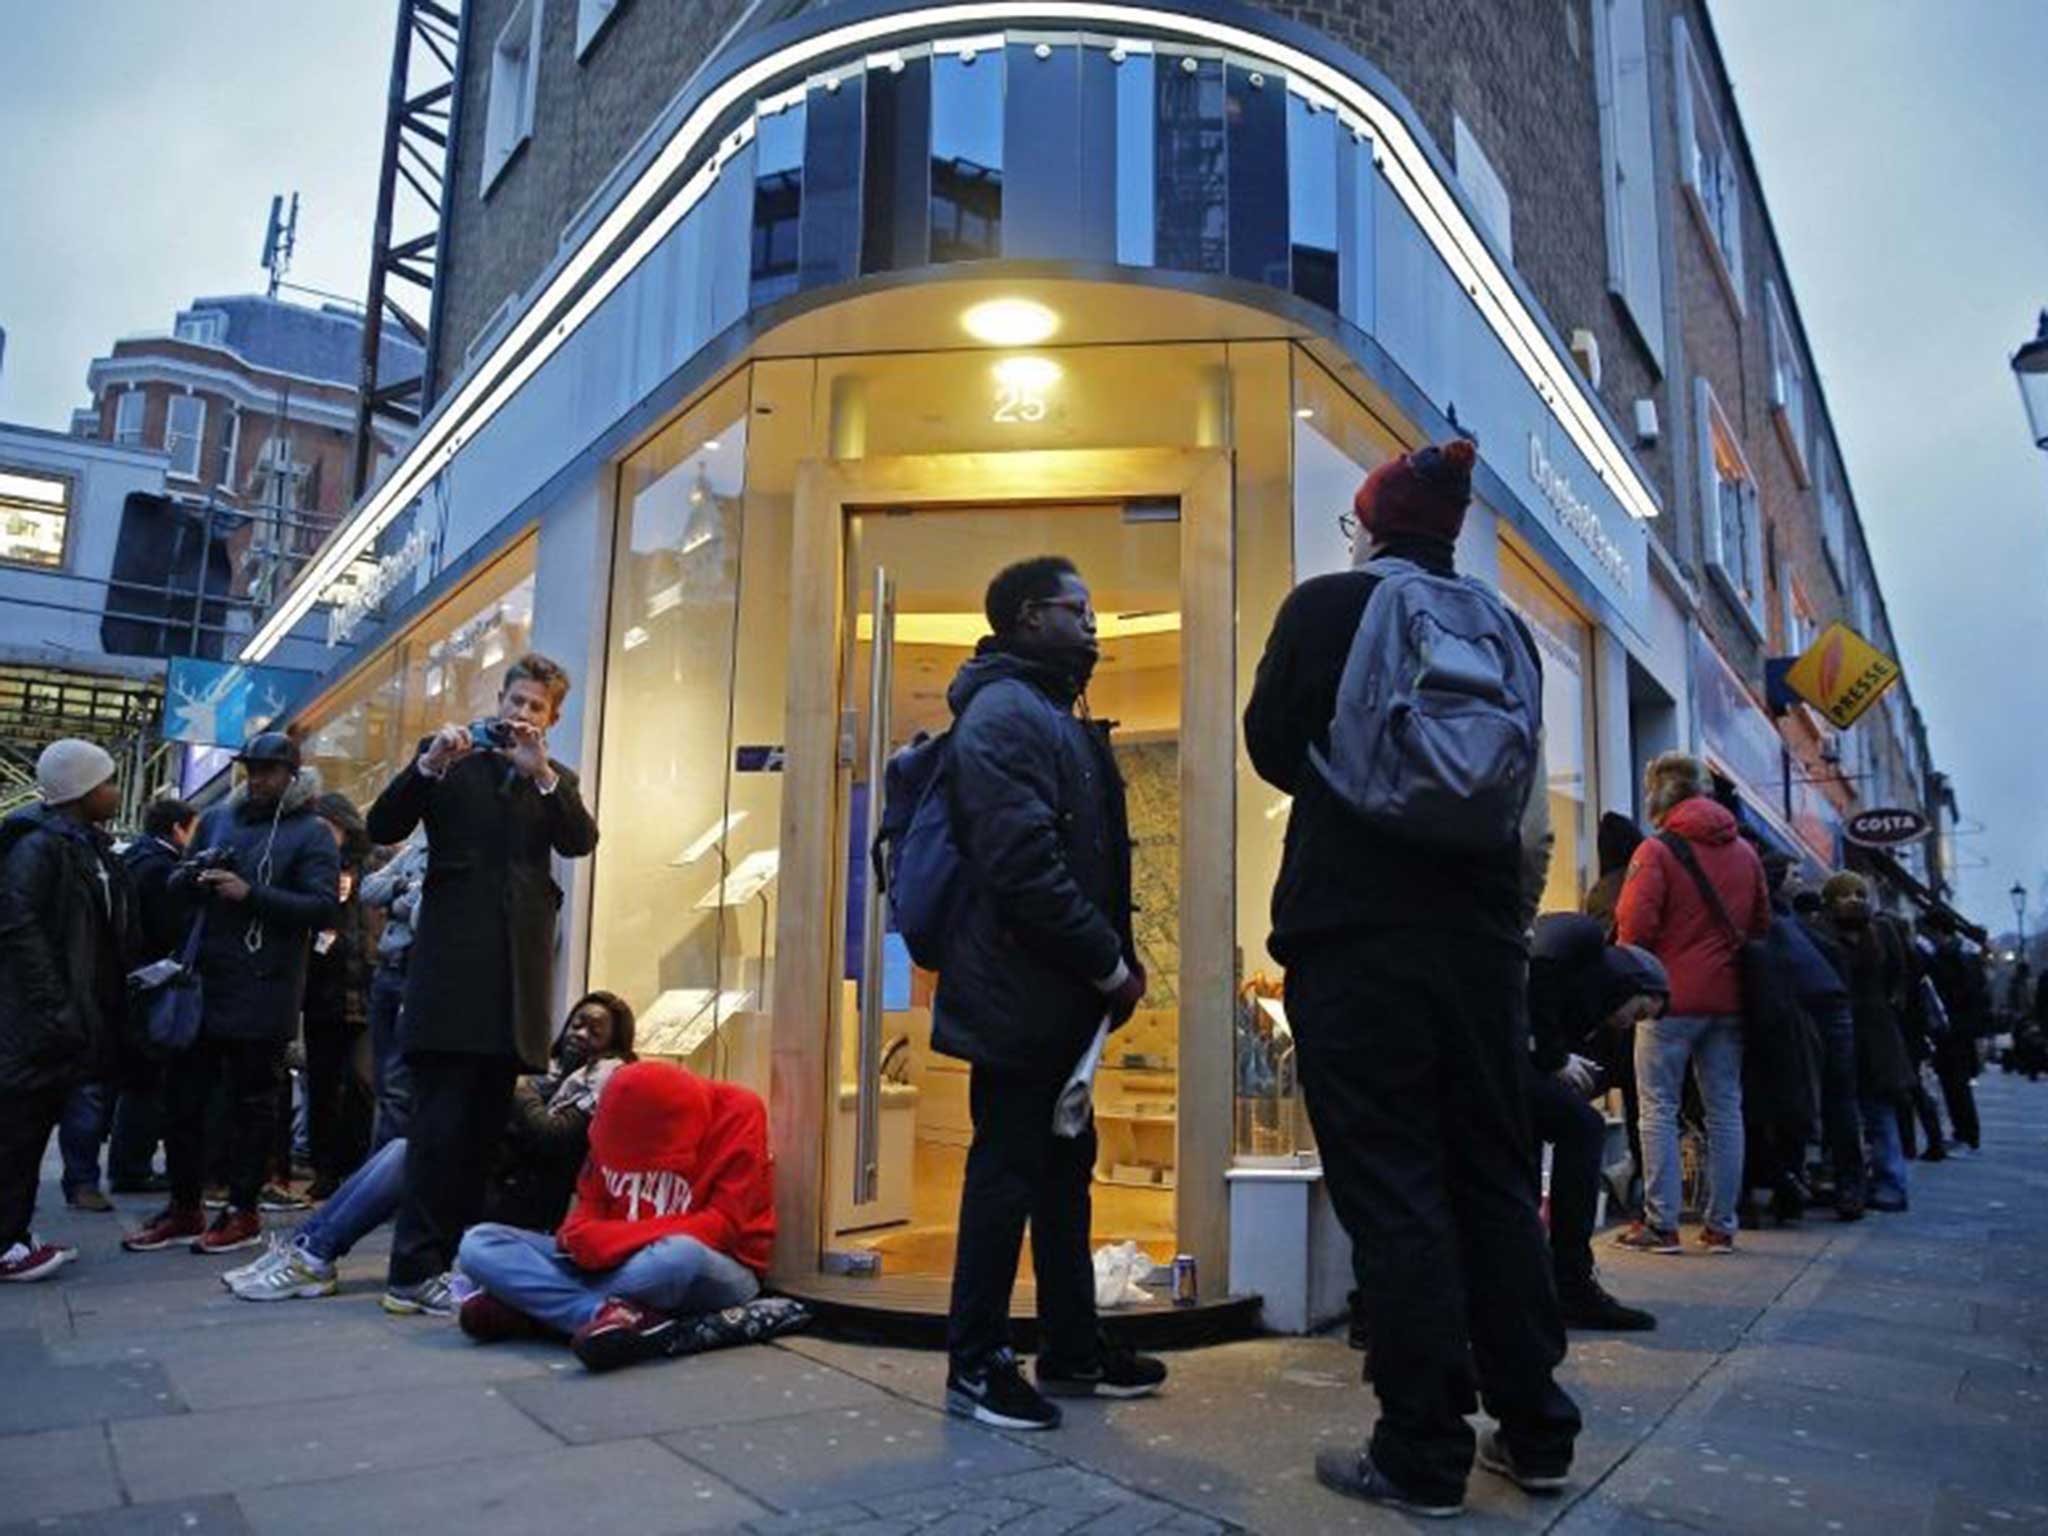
{"x":1495,"y":1456}
{"x":1585,"y":1303}
{"x":998,"y":1395}
{"x":1118,"y":1373}
{"x":1352,"y":1474}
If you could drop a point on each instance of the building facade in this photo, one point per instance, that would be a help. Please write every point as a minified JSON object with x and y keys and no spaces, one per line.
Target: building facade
{"x":771,"y":331}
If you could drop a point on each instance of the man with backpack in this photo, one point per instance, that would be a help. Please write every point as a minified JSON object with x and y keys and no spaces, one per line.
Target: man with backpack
{"x":1037,"y":953}
{"x":1401,"y":707}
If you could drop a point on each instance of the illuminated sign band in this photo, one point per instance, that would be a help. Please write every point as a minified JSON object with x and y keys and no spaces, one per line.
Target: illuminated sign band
{"x":606,"y":258}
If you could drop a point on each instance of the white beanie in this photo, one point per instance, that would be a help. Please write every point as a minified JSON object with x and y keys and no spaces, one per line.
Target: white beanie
{"x":70,"y":770}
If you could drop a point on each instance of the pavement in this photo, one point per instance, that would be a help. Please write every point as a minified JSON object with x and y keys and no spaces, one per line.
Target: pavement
{"x":1886,"y":1376}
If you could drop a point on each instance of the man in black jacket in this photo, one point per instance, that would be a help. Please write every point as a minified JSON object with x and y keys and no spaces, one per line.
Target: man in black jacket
{"x":1407,"y":971}
{"x":65,"y":947}
{"x":479,"y":983}
{"x":265,"y":878}
{"x":163,"y":921}
{"x":1040,"y":953}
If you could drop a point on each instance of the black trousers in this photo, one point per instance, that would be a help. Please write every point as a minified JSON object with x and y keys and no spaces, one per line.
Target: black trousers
{"x":1955,"y":1063}
{"x":26,"y":1121}
{"x":137,"y":1127}
{"x":1917,"y":1101}
{"x":459,"y":1104}
{"x":1414,"y":1046}
{"x":1577,"y":1133}
{"x":1019,"y":1172}
{"x":338,"y":1104}
{"x":250,"y":1072}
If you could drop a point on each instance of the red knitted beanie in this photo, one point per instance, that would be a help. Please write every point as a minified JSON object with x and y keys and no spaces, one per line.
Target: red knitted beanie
{"x":1423,"y":493}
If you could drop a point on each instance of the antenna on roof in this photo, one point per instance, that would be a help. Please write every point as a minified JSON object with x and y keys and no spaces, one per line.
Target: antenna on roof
{"x":278,"y":240}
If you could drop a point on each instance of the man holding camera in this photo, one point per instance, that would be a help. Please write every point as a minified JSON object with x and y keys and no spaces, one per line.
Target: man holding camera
{"x":478,"y":1004}
{"x":265,"y":880}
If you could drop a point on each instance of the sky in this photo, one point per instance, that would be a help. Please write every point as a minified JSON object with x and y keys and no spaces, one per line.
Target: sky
{"x":1899,"y":142}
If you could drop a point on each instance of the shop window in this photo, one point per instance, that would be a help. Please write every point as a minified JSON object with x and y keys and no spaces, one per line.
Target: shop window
{"x":515,"y":70}
{"x":1706,"y":161}
{"x":1565,"y":641}
{"x":1621,"y":73}
{"x":35,"y":512}
{"x":130,"y":407}
{"x":967,"y":153}
{"x":184,"y":433}
{"x":778,"y":203}
{"x":1788,"y":384}
{"x":1482,"y":183}
{"x":1733,"y":522}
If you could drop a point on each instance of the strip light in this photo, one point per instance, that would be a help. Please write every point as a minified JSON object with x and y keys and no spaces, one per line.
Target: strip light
{"x":541,"y":331}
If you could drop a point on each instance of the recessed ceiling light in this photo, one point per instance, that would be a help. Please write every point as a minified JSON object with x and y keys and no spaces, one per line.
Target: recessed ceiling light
{"x":1029,"y":373}
{"x":1304,"y":412}
{"x":1010,"y":322}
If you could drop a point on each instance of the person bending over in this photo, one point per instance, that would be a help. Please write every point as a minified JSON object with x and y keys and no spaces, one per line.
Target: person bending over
{"x":674,"y":1217}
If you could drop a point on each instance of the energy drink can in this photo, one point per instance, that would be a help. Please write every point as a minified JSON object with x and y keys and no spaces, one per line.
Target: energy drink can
{"x":1185,"y":1287}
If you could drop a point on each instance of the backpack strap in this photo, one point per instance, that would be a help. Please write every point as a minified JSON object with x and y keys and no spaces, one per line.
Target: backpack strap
{"x":1681,"y":850}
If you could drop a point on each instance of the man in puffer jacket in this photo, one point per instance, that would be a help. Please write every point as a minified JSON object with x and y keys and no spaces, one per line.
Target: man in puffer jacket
{"x":674,"y":1216}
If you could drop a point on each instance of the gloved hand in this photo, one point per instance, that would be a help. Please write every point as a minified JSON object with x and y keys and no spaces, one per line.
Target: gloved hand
{"x":1580,"y":1074}
{"x":1123,"y":1002}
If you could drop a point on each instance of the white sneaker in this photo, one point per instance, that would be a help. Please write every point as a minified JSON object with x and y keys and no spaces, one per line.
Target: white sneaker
{"x":295,"y":1276}
{"x":274,"y":1244}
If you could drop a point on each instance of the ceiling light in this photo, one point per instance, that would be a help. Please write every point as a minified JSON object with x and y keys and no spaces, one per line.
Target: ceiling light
{"x":1028,"y":373}
{"x":1010,"y":322}
{"x":1304,"y":412}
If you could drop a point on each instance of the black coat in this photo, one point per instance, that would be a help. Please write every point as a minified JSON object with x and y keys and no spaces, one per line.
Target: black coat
{"x":1045,"y":915}
{"x":66,"y":945}
{"x":163,"y":916}
{"x":1884,"y":1070}
{"x":253,"y":955}
{"x":338,"y":979}
{"x":480,"y":980}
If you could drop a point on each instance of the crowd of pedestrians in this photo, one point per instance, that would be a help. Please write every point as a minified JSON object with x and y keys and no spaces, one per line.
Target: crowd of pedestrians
{"x":386,"y":976}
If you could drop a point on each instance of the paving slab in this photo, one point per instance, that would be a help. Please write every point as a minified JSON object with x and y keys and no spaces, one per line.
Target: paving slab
{"x":410,"y":1353}
{"x":40,"y":1395}
{"x":217,"y":1515}
{"x":57,"y":1472}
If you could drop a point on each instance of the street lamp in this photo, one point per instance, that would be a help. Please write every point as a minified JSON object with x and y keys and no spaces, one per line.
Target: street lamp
{"x":2019,"y":910}
{"x":2030,"y":363}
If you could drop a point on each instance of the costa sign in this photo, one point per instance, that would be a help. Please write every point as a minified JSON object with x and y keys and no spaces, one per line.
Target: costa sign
{"x":1885,"y":829}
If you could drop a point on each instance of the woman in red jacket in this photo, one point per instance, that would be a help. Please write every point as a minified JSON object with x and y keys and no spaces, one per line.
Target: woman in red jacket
{"x":674,"y":1216}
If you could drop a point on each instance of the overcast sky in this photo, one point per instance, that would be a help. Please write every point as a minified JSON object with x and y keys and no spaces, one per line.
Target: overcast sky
{"x":1901,"y":146}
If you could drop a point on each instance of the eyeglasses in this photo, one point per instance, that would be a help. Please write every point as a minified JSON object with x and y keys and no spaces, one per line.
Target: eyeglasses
{"x":1080,"y":607}
{"x":1347,"y":524}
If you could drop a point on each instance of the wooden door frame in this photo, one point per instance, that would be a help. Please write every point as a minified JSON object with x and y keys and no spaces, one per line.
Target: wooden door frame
{"x":803,"y":1090}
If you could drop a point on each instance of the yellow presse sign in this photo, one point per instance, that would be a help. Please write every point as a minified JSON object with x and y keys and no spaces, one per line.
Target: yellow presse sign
{"x":1842,"y":675}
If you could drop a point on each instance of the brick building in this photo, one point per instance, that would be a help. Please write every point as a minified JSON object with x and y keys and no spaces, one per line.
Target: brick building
{"x":768,"y":331}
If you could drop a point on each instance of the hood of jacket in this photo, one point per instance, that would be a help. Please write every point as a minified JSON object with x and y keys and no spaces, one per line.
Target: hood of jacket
{"x":991,"y":664}
{"x":651,"y":1119}
{"x":1626,"y":972}
{"x":1700,"y":820}
{"x":299,"y":796}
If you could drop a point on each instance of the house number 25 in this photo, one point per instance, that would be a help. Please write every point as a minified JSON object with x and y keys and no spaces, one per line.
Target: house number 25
{"x":1018,"y":401}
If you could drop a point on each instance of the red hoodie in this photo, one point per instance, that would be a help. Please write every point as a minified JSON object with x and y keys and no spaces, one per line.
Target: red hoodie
{"x":673,"y":1155}
{"x":1663,"y":911}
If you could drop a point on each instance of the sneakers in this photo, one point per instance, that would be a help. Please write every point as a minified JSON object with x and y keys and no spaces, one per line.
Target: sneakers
{"x":1642,"y":1238}
{"x":232,"y":1231}
{"x":430,"y":1298}
{"x":1496,"y":1457}
{"x":34,"y":1260}
{"x":1353,"y":1474}
{"x":276,"y":1197}
{"x":94,"y":1199}
{"x":622,"y":1333}
{"x":290,"y":1273}
{"x":172,"y":1224}
{"x":273,"y":1252}
{"x":998,"y":1395}
{"x":1118,"y":1373}
{"x":1714,"y":1242}
{"x":491,"y":1321}
{"x":1585,"y":1303}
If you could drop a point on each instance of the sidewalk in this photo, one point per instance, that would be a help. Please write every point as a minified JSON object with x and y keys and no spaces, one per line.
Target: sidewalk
{"x":1889,"y":1376}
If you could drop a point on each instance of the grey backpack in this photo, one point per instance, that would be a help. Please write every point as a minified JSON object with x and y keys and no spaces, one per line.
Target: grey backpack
{"x":1438,"y":713}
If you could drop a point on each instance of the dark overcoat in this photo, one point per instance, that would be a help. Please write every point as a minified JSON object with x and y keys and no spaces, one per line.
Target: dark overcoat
{"x":480,"y":980}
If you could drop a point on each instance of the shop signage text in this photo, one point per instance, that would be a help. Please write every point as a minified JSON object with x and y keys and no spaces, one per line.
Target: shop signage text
{"x":1886,"y":828}
{"x":1842,"y":675}
{"x":353,"y":603}
{"x":1578,"y":516}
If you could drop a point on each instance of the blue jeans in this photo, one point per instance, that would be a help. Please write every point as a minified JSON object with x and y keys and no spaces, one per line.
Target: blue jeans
{"x":1841,"y":1121}
{"x":1713,"y":1044}
{"x":366,"y":1200}
{"x":1887,"y":1151}
{"x":525,"y":1270}
{"x":80,"y":1133}
{"x":393,"y":1077}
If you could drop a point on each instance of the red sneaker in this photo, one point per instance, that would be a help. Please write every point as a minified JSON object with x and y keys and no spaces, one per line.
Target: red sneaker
{"x":622,"y":1332}
{"x":231,"y":1230}
{"x":34,"y":1261}
{"x":172,"y":1224}
{"x":1717,"y":1242}
{"x":491,"y":1321}
{"x":1642,"y":1238}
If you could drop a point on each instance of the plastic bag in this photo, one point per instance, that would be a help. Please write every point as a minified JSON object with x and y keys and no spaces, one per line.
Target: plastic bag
{"x":1119,"y":1269}
{"x":1074,"y":1110}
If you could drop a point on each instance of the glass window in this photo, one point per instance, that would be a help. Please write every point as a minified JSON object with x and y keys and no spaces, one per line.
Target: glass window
{"x":1565,"y":642}
{"x":1051,"y":207}
{"x":831,"y":173}
{"x":1707,"y":164}
{"x":896,"y":208}
{"x":1255,"y":158}
{"x":1312,"y":200}
{"x":679,"y":927}
{"x":129,"y":409}
{"x":1137,"y":109}
{"x":778,"y":203}
{"x":1788,"y":382}
{"x":508,"y":116}
{"x":1729,"y":509}
{"x":184,"y":429}
{"x":967,"y":155}
{"x":34,"y":513}
{"x":1191,"y":228}
{"x":206,"y":326}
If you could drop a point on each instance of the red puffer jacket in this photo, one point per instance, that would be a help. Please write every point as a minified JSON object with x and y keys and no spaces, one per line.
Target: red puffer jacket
{"x":1663,"y":911}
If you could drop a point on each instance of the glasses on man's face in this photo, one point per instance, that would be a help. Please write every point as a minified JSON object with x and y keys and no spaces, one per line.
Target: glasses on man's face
{"x":1079,"y":607}
{"x":1347,"y":524}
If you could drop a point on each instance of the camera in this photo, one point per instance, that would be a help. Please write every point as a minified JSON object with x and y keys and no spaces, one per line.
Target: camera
{"x":490,"y":735}
{"x":211,"y":858}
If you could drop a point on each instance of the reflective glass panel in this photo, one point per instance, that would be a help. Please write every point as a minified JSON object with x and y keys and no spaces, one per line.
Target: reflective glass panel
{"x":1312,"y":200}
{"x":831,"y":207}
{"x":1045,"y":197}
{"x":1255,"y":107}
{"x":967,"y":156}
{"x":1190,"y":229}
{"x":778,"y":204}
{"x":1565,"y":642}
{"x":1137,"y":116}
{"x":896,"y":202}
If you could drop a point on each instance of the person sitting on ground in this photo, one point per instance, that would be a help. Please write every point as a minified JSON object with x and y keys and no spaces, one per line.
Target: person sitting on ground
{"x":539,"y":1154}
{"x":1579,"y":988}
{"x":674,"y":1217}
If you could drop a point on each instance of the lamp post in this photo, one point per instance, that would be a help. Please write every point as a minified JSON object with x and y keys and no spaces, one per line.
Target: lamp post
{"x":2030,"y":365}
{"x":2019,"y":910}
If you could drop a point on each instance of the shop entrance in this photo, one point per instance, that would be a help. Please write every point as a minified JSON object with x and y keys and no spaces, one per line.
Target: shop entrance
{"x":889,"y":565}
